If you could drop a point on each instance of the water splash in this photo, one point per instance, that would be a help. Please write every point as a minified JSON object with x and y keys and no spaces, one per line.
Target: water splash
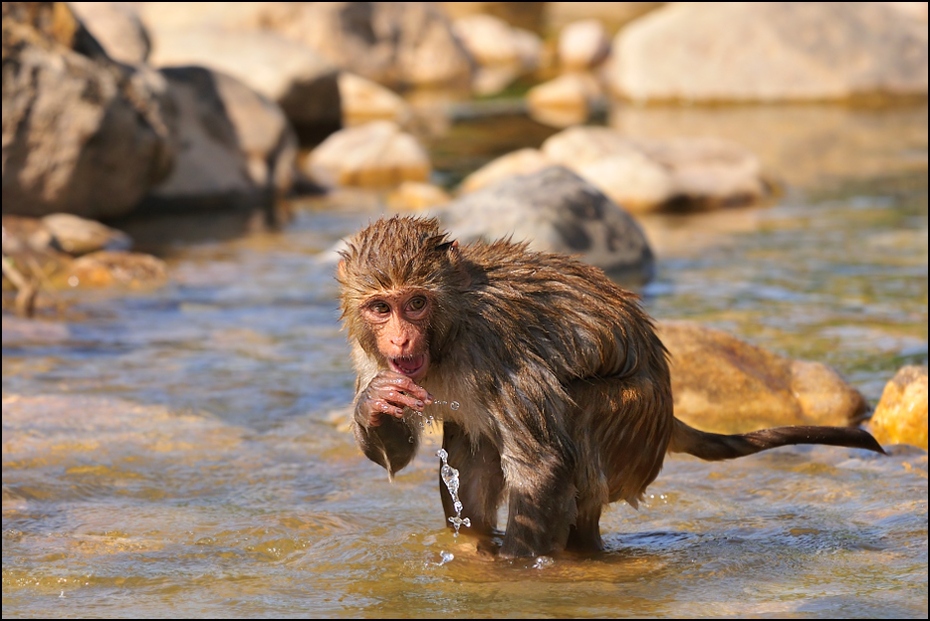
{"x":450,"y":476}
{"x":429,"y":420}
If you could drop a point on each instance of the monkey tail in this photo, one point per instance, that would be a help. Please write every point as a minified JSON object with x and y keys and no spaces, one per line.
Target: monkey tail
{"x":715,"y":446}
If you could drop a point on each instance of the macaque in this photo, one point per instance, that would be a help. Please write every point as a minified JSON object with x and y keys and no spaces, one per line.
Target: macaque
{"x":564,"y":389}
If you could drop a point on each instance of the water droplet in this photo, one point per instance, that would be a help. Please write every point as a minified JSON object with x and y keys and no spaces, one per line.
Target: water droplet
{"x":454,"y":405}
{"x":450,"y":476}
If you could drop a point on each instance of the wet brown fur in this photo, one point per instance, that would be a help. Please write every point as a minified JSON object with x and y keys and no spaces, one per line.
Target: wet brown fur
{"x":564,"y":385}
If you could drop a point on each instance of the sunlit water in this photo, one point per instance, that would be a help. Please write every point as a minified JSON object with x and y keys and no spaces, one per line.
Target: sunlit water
{"x":186,"y":452}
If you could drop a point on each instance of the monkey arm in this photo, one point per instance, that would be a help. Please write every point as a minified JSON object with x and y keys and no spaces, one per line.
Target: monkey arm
{"x":391,"y":445}
{"x":380,"y":429}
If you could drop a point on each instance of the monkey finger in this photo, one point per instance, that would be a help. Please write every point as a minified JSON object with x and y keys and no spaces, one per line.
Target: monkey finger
{"x":402,"y":383}
{"x":380,"y":407}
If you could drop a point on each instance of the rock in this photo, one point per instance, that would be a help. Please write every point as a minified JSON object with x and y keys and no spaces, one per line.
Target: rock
{"x":364,"y":101}
{"x":78,"y":236}
{"x":802,"y":145}
{"x":566,"y":100}
{"x":555,"y":210}
{"x":583,"y":44}
{"x":632,"y":180}
{"x":239,"y":151}
{"x":527,"y":15}
{"x":117,"y":27}
{"x":82,"y":134}
{"x":126,"y":269}
{"x":795,"y":51}
{"x":709,"y":172}
{"x":417,"y":196}
{"x":612,"y":14}
{"x":580,"y":145}
{"x":675,"y":174}
{"x":375,"y":154}
{"x":724,"y":385}
{"x":520,"y":162}
{"x":298,"y":79}
{"x":492,"y":41}
{"x":901,"y":414}
{"x":398,"y":44}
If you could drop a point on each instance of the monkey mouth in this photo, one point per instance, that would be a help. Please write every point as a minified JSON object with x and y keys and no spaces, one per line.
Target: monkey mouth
{"x":413,"y":367}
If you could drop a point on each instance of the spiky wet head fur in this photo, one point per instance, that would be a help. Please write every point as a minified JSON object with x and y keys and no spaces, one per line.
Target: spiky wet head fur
{"x":401,"y":252}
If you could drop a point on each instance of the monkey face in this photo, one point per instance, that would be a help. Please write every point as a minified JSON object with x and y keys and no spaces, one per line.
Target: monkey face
{"x":398,"y":319}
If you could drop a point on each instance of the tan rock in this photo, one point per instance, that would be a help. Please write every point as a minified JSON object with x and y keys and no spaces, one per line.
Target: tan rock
{"x":579,"y":145}
{"x":725,"y":385}
{"x":417,"y":196}
{"x":375,"y":154}
{"x":117,"y":27}
{"x":709,"y":172}
{"x":492,"y":41}
{"x":364,"y":100}
{"x":520,"y":162}
{"x":106,"y":269}
{"x":901,"y":414}
{"x":566,"y":100}
{"x":583,"y":44}
{"x":76,"y":235}
{"x":770,"y":51}
{"x":632,"y":180}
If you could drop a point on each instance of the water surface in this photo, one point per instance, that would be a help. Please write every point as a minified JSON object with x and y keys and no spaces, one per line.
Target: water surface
{"x":185,"y":453}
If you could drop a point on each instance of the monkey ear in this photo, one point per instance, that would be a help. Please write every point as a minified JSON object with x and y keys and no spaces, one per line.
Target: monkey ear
{"x":341,"y":270}
{"x":460,"y":269}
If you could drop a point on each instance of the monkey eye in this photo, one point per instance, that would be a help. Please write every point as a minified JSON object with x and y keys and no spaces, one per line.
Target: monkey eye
{"x":380,"y":308}
{"x":417,"y":303}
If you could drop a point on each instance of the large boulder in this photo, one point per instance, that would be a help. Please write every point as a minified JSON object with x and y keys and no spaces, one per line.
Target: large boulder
{"x":724,"y":385}
{"x":239,"y":151}
{"x":770,"y":51}
{"x":555,"y":210}
{"x":82,"y":134}
{"x":298,"y":79}
{"x":394,"y":43}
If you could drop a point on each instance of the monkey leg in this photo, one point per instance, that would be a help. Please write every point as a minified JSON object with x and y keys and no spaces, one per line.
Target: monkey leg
{"x":481,"y":479}
{"x":585,"y":534}
{"x":541,"y":506}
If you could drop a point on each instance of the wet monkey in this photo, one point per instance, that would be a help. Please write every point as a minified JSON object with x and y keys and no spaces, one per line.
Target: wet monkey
{"x":564,"y":389}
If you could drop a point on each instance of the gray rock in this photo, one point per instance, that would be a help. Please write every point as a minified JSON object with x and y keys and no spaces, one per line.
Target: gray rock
{"x":82,"y":134}
{"x":298,"y":79}
{"x":555,"y":210}
{"x":238,"y":152}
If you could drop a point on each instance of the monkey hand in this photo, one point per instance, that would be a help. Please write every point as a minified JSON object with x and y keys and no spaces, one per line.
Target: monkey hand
{"x":389,"y":393}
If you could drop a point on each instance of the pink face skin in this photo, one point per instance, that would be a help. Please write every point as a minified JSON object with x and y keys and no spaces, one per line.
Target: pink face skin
{"x":399,"y":319}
